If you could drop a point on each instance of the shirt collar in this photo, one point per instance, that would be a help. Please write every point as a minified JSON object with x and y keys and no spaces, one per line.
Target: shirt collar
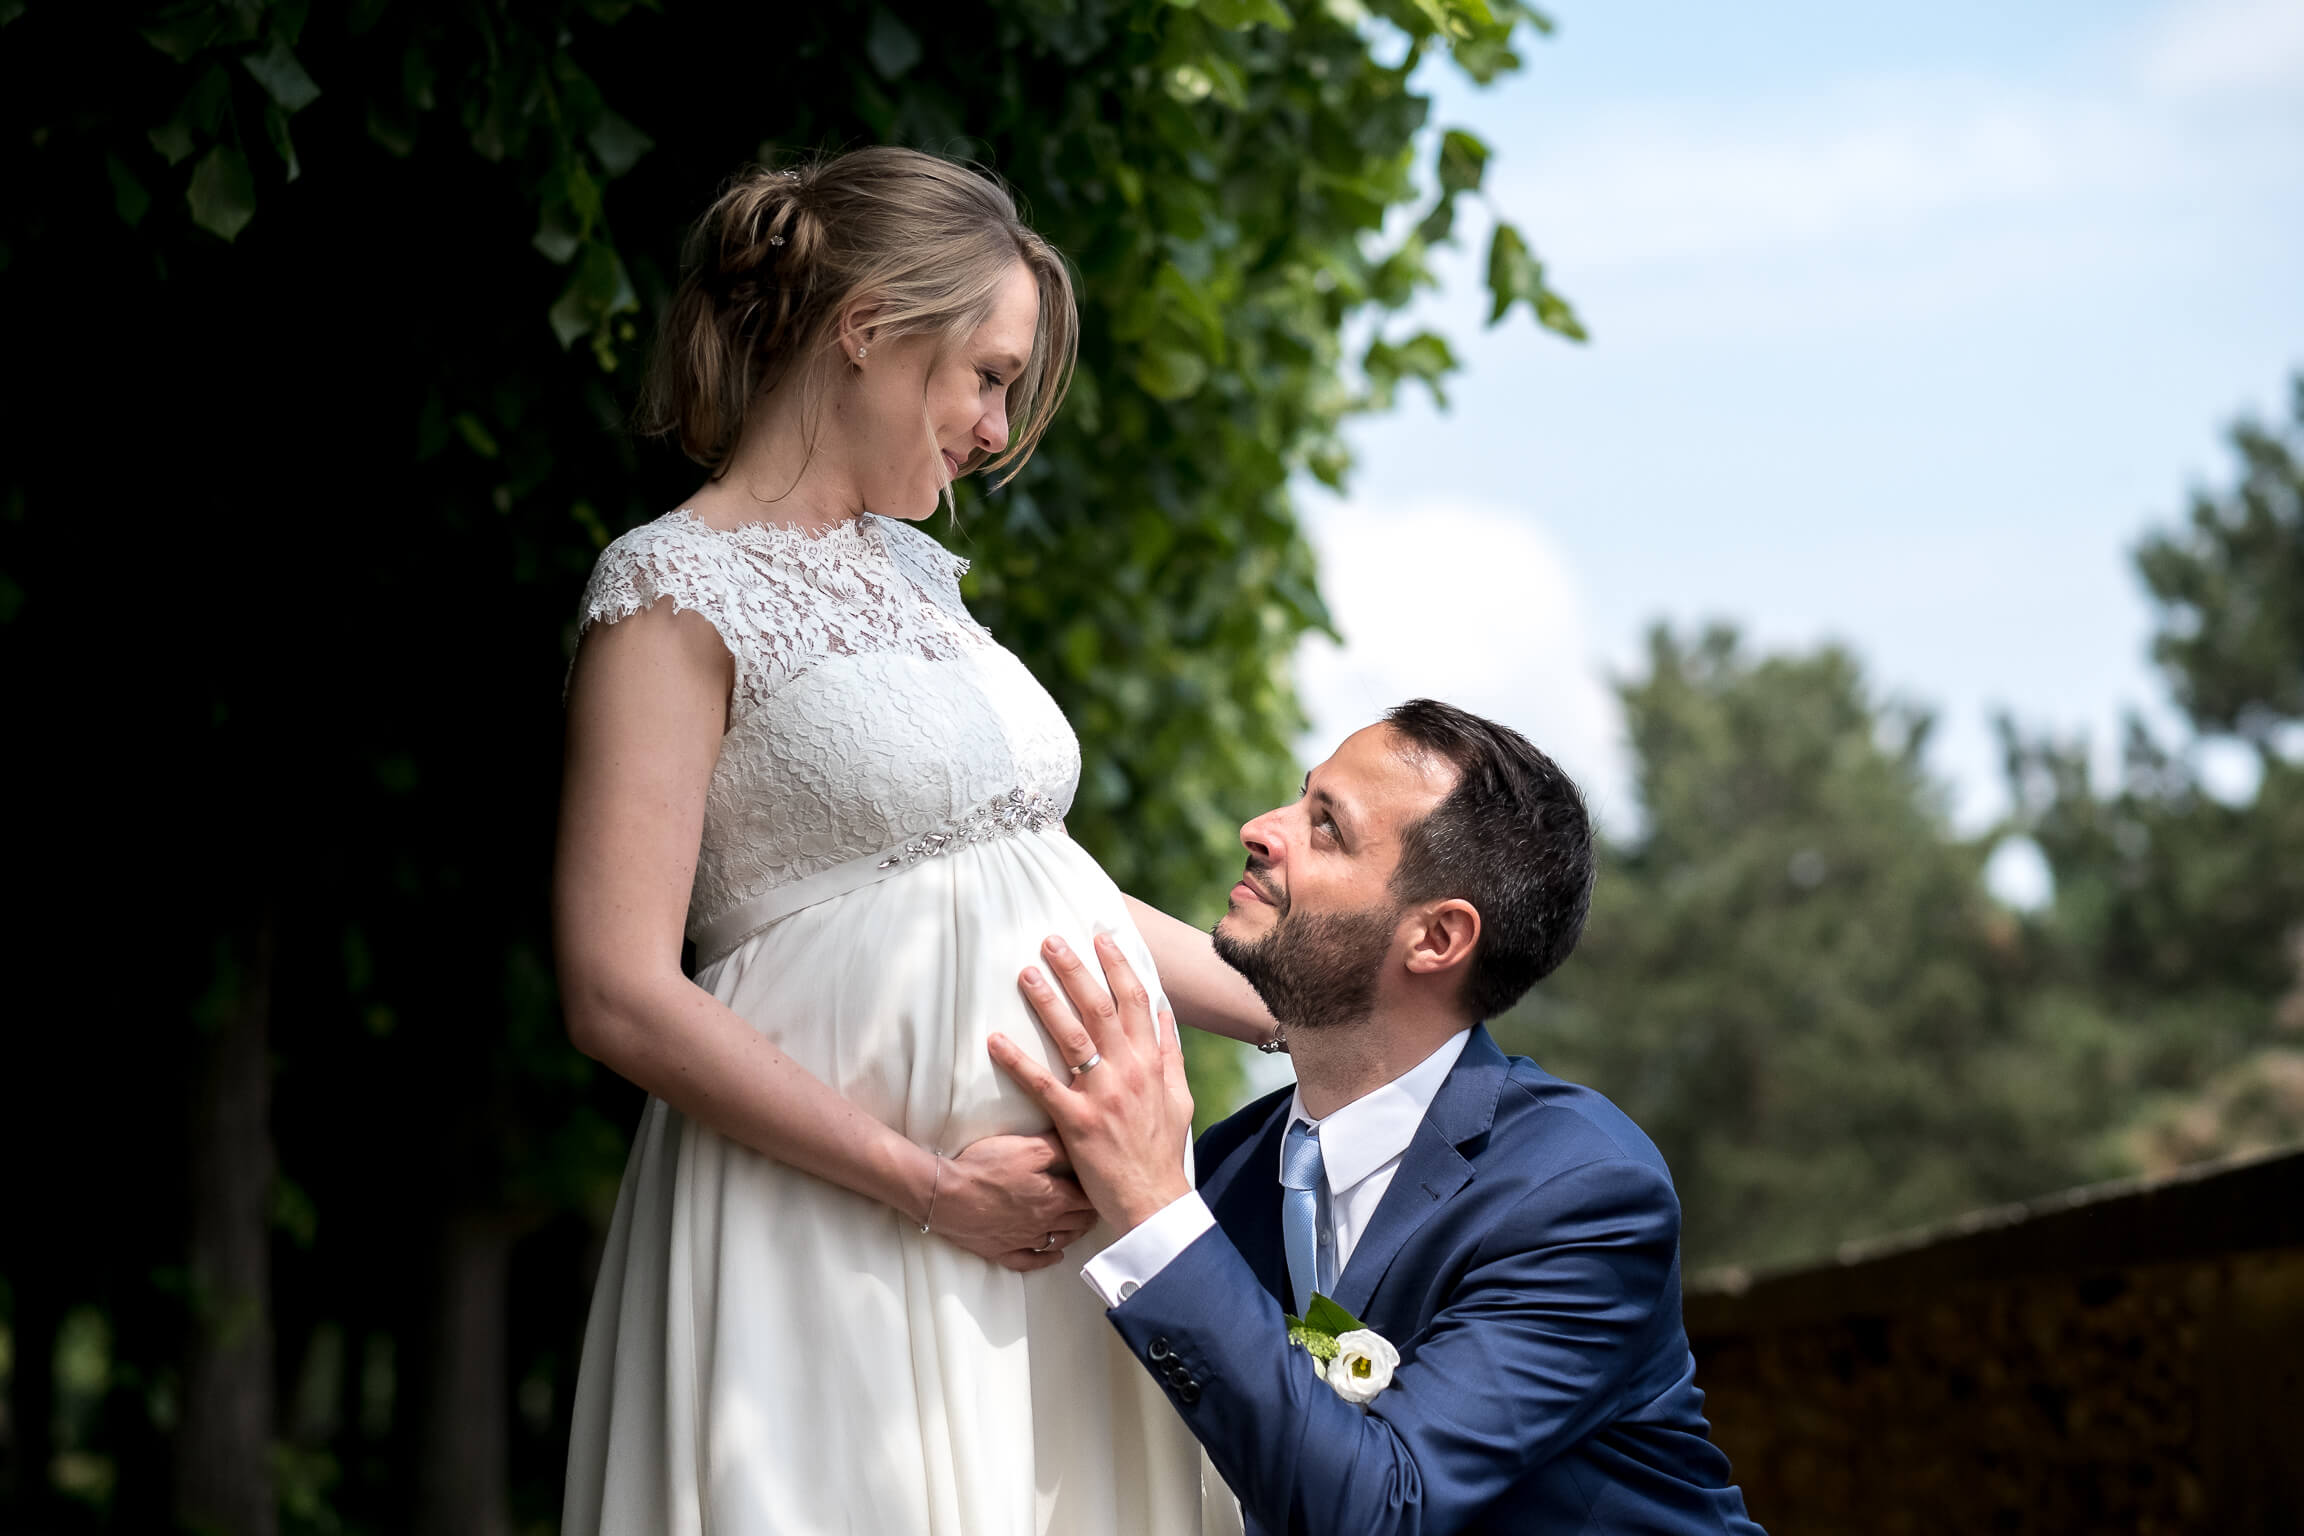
{"x":1375,"y":1128}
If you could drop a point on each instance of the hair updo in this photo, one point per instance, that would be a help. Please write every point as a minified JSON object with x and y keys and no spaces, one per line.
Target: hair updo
{"x":781,"y":254}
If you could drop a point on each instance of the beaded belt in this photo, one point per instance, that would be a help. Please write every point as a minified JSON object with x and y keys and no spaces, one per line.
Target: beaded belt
{"x":1003,"y":816}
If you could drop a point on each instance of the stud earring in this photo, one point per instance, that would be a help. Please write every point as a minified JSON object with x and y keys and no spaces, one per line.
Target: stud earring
{"x":860,"y":351}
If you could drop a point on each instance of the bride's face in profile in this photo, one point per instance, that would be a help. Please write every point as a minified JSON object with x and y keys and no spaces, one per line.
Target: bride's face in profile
{"x":903,"y":467}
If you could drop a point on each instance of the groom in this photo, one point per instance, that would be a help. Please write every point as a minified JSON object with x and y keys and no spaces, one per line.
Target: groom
{"x":1514,"y":1237}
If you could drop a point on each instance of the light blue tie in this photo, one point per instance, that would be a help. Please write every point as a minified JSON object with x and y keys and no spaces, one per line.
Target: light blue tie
{"x":1308,"y":1269}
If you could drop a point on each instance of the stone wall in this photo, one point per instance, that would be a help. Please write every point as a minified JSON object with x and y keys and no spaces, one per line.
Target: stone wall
{"x":2125,"y":1359}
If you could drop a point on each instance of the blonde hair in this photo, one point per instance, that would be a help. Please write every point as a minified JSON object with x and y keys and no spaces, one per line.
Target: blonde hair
{"x":783,"y":253}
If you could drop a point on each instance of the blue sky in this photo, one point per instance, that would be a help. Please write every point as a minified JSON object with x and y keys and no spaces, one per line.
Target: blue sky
{"x":1907,"y":323}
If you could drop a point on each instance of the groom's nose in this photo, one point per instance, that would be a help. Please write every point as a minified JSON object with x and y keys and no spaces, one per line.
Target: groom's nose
{"x":1262,"y":837}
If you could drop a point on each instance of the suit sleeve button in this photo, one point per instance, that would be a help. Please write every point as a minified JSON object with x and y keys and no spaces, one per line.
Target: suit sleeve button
{"x":1159,"y":1350}
{"x":1188,"y":1393}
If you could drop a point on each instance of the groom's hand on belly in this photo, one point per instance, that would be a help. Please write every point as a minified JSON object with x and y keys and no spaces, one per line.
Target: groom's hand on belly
{"x":1126,"y":1119}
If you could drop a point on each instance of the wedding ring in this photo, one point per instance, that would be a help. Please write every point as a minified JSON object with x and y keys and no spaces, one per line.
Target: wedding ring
{"x":1044,"y":1247}
{"x":1090,"y":1065}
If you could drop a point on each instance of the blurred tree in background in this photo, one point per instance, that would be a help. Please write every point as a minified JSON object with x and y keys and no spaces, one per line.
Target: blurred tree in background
{"x":1793,"y":978}
{"x":322,"y":323}
{"x":2179,"y":915}
{"x":1796,"y":979}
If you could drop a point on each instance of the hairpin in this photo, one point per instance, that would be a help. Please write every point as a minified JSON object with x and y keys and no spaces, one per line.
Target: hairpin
{"x":775,"y":239}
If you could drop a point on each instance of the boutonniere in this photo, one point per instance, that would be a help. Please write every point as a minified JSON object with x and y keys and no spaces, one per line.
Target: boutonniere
{"x":1355,"y":1360}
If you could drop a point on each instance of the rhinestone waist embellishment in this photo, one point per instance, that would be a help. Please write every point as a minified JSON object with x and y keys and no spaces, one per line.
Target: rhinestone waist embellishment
{"x":1018,"y":810}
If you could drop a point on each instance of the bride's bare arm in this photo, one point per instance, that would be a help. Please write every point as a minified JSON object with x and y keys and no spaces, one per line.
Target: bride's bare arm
{"x":646,"y":709}
{"x":1205,"y":992}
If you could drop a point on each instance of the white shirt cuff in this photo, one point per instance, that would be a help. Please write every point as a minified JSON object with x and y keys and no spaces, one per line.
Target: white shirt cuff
{"x":1136,"y":1256}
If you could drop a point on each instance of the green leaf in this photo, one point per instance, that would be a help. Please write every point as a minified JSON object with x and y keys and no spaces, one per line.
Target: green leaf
{"x":276,"y":129}
{"x":223,"y":193}
{"x":476,"y":435}
{"x":1326,"y":1316}
{"x":201,"y":110}
{"x":129,"y":199}
{"x":598,"y":290}
{"x":1209,"y":74}
{"x":557,"y":235}
{"x":1425,"y":357}
{"x":1515,"y":276}
{"x":1553,"y":313}
{"x":1443,"y":17}
{"x":1081,"y":647}
{"x":1232,"y":15}
{"x":892,"y":46}
{"x":1170,"y":372}
{"x":618,"y":144}
{"x":417,"y":76}
{"x":1485,"y":58}
{"x":583,"y":194}
{"x":293,"y":1211}
{"x":396,"y":137}
{"x":288,"y":18}
{"x":1463,"y":160}
{"x":183,"y":30}
{"x":277,"y":70}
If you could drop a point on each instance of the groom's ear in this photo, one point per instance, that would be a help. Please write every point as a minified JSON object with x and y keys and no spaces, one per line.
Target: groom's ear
{"x":1442,"y":936}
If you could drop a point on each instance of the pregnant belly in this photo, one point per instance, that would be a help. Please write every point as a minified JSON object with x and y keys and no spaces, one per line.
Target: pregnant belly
{"x":891,"y":993}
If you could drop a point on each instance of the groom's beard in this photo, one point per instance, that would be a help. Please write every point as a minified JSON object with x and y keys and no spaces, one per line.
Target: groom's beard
{"x":1315,"y":971}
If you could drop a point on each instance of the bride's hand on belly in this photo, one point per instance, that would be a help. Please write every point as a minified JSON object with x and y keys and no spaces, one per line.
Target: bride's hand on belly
{"x":1012,"y":1200}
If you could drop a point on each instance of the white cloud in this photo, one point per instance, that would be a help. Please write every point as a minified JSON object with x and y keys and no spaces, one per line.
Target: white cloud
{"x":2216,"y":46}
{"x":1914,"y":196}
{"x":1672,"y":184}
{"x":1468,"y":602}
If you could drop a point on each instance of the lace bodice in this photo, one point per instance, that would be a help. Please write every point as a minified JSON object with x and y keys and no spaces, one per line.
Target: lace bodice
{"x":870,"y":714}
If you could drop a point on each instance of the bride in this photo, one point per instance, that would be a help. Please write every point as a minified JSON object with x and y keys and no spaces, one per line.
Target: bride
{"x":839,"y":1292}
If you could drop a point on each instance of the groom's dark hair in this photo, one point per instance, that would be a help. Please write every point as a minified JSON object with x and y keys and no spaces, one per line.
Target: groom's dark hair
{"x":1512,"y":838}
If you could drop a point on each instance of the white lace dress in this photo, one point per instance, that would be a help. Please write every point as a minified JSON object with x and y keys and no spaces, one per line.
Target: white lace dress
{"x":769,"y":1354}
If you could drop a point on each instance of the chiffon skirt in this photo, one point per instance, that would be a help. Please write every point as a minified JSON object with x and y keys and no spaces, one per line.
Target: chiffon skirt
{"x":771,"y":1355}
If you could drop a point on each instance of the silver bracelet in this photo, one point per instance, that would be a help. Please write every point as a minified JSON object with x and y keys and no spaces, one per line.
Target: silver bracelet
{"x":934,"y":1184}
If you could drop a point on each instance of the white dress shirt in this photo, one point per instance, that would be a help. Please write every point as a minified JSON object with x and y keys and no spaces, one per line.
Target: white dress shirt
{"x":1360,"y":1149}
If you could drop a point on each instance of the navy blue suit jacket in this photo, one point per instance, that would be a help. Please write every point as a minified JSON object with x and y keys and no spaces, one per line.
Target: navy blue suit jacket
{"x":1526,"y":1263}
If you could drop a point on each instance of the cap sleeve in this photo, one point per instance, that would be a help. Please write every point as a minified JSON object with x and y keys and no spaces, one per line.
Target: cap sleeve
{"x":669,"y":561}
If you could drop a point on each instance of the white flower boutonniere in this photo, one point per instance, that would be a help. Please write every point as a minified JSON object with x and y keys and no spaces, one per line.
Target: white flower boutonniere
{"x":1363,"y":1365}
{"x":1356,"y":1361}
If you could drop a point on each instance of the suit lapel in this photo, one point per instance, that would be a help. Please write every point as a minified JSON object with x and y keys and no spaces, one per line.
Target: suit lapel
{"x":1431,"y":1171}
{"x":1244,"y":1195}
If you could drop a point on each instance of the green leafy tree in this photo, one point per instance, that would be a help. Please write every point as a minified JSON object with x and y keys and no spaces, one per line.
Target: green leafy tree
{"x":323,"y":322}
{"x":1793,"y":977}
{"x":2179,"y":916}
